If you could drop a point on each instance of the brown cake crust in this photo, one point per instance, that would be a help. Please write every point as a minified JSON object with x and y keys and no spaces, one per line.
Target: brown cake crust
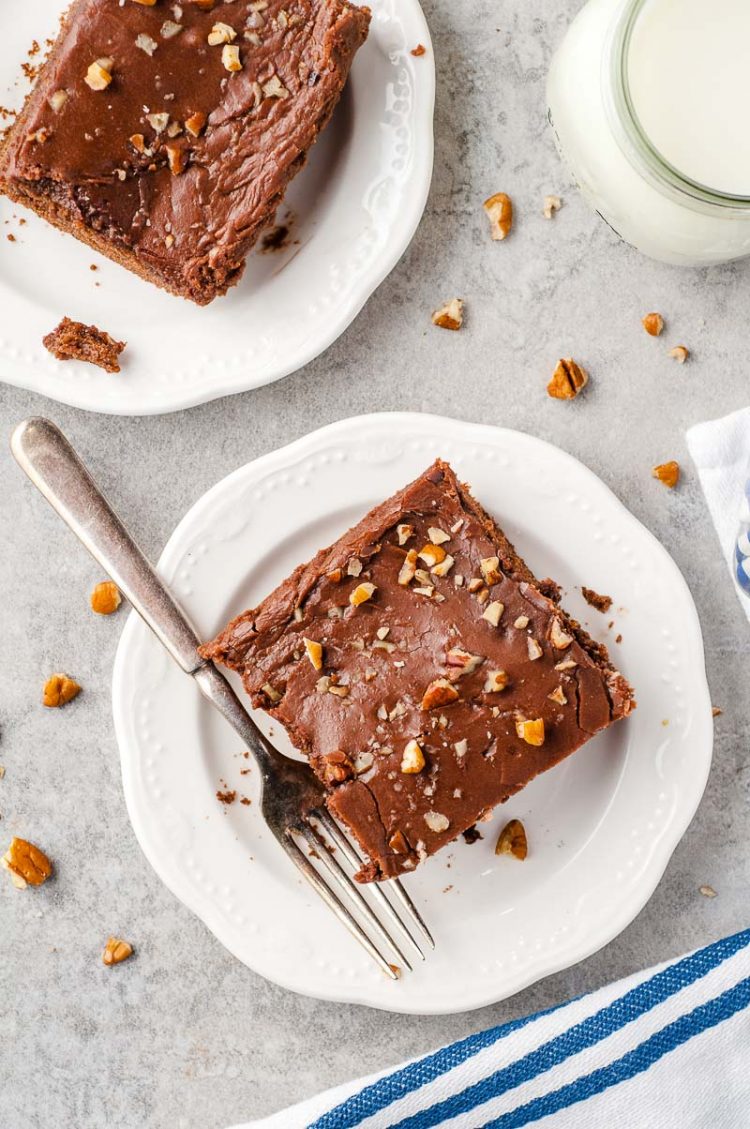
{"x":74,"y":341}
{"x":381,"y":660}
{"x":176,"y":166}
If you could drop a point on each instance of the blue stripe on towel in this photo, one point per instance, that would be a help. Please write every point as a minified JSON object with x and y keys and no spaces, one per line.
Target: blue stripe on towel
{"x":638,"y":1000}
{"x":674,"y":1035}
{"x":587,"y":1033}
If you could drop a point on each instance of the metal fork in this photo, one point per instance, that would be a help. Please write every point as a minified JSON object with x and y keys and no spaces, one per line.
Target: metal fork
{"x":292,"y":799}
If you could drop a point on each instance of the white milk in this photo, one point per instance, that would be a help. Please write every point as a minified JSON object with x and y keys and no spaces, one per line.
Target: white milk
{"x":646,"y":97}
{"x":689,"y":76}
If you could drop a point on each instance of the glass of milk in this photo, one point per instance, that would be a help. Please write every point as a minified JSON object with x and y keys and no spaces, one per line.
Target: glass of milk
{"x":648,"y":101}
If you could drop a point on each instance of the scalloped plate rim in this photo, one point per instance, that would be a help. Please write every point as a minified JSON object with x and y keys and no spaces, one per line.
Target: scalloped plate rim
{"x":678,"y":823}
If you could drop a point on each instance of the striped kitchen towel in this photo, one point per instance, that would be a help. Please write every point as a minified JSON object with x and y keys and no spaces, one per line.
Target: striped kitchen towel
{"x":720,"y":449}
{"x":665,"y":1049}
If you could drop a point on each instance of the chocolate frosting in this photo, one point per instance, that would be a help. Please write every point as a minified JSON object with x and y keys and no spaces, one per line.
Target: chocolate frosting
{"x":474,"y":757}
{"x":190,"y":229}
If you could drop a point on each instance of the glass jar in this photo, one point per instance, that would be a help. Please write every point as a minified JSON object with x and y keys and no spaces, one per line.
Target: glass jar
{"x":653,"y":205}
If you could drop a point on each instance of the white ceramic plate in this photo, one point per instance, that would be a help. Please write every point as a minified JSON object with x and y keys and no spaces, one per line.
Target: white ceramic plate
{"x":355,"y":207}
{"x":601,"y":826}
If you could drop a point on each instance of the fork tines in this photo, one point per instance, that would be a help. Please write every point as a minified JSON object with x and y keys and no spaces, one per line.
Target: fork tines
{"x":370,"y":927}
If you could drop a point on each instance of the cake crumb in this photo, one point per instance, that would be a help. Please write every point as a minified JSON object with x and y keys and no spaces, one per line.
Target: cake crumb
{"x":73,"y":341}
{"x":418,"y":51}
{"x":716,"y":712}
{"x":228,"y":797}
{"x":601,"y":603}
{"x":277,"y":239}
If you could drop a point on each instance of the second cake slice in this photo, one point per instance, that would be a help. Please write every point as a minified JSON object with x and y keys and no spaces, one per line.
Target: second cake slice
{"x":165,"y":134}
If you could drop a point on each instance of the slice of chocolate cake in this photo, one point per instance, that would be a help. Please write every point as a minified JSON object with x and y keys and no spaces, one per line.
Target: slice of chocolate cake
{"x":424,"y":671}
{"x":165,"y":134}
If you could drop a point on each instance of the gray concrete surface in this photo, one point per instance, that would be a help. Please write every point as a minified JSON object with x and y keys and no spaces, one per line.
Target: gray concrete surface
{"x":184,"y":1036}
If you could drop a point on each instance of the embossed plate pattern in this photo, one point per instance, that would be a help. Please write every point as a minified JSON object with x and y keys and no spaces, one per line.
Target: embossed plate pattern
{"x":353,"y":208}
{"x":601,"y":826}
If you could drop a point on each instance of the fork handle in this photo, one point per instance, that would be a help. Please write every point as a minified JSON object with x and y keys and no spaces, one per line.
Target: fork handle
{"x":43,"y":452}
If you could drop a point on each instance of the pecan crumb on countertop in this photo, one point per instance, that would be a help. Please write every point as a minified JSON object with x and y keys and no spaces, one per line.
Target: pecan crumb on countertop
{"x":105,"y":598}
{"x":59,"y":689}
{"x":601,"y":603}
{"x":450,"y":316}
{"x":73,"y":341}
{"x":567,"y":380}
{"x":668,"y":473}
{"x":716,"y":712}
{"x":116,"y":951}
{"x":552,"y":204}
{"x":499,"y":211}
{"x":653,"y":323}
{"x":28,"y":865}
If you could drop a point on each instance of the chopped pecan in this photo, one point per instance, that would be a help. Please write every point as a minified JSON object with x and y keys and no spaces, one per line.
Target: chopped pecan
{"x":362,"y":593}
{"x":28,"y":865}
{"x":334,"y":767}
{"x":412,"y":760}
{"x":59,"y":689}
{"x":653,"y":323}
{"x":105,"y":598}
{"x":398,"y":843}
{"x":668,"y":473}
{"x":532,"y":732}
{"x":493,"y":612}
{"x":314,"y":652}
{"x":408,"y":569}
{"x":499,"y":210}
{"x":496,"y":681}
{"x":432,"y":554}
{"x":512,"y":840}
{"x":449,"y":316}
{"x":116,"y":951}
{"x":440,"y":692}
{"x":567,"y":380}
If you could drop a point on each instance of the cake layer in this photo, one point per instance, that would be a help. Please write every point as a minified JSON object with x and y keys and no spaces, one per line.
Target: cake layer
{"x":165,"y":135}
{"x":423,"y":670}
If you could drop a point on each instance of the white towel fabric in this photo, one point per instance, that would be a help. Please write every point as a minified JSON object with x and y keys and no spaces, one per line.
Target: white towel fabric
{"x":720,"y":449}
{"x":669,"y":1047}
